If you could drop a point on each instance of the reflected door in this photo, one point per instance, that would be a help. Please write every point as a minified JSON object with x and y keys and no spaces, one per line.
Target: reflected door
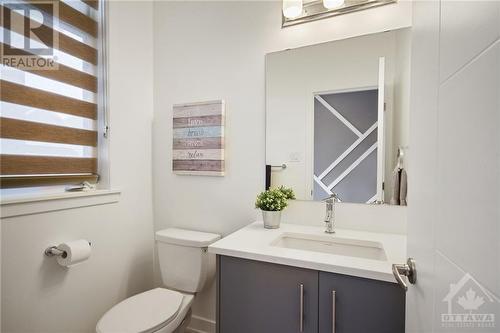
{"x":348,"y":143}
{"x":345,"y":145}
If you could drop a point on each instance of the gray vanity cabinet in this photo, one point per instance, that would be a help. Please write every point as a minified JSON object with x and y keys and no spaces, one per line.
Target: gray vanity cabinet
{"x":359,"y":305}
{"x":258,"y":297}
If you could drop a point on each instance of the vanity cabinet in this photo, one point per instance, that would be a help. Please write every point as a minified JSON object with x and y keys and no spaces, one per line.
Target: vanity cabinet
{"x":360,"y":305}
{"x":260,"y":297}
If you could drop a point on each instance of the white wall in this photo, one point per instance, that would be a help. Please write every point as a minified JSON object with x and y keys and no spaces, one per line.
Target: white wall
{"x":37,"y":294}
{"x":210,"y":50}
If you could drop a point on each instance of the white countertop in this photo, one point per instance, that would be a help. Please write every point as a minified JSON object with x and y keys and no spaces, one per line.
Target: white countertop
{"x":254,"y":242}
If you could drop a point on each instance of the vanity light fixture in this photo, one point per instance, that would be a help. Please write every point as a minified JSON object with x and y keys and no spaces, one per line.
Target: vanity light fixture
{"x":331,"y":4}
{"x":292,"y":8}
{"x":303,"y":11}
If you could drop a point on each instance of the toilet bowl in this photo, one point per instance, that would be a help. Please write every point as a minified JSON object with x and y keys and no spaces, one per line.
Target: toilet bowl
{"x":186,"y":268}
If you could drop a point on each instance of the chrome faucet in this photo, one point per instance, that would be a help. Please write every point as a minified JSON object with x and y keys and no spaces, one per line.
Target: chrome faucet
{"x":330,"y":212}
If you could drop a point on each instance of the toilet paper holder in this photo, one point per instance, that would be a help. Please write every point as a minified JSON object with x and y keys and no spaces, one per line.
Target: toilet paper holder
{"x":54,"y":251}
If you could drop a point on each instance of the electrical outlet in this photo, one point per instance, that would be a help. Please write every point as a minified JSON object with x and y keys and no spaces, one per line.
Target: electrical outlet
{"x":294,"y":157}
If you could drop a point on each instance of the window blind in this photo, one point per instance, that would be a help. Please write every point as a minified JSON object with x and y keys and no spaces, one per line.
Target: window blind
{"x":49,"y":91}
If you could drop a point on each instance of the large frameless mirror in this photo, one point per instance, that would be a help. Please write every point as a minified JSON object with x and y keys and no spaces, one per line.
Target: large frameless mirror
{"x":337,"y":116}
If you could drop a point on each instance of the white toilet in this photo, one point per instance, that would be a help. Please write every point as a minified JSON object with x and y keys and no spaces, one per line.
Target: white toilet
{"x":186,"y":268}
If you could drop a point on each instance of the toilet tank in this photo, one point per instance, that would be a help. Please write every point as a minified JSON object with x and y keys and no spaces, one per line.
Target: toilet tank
{"x":185,"y":263}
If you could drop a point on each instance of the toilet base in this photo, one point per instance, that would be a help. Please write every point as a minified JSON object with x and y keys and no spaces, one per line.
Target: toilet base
{"x":185,"y":322}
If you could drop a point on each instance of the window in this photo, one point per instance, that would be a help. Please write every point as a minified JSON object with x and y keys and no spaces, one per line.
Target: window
{"x":51,"y":92}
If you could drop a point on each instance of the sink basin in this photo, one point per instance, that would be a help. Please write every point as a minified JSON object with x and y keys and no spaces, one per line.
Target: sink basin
{"x":332,"y":244}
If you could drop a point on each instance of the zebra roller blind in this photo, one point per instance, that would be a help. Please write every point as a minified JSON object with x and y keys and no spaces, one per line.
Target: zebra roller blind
{"x":49,"y":91}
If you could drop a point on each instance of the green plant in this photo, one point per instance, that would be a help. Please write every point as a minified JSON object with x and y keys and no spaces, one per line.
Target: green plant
{"x":288,"y":192}
{"x":274,"y":199}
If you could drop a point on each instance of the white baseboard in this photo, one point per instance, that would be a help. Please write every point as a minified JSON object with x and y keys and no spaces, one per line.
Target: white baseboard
{"x":201,"y":325}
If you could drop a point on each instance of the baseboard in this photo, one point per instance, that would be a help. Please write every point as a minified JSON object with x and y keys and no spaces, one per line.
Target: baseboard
{"x":201,"y":325}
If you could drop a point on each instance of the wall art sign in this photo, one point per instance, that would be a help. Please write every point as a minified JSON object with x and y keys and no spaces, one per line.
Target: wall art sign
{"x":198,"y":138}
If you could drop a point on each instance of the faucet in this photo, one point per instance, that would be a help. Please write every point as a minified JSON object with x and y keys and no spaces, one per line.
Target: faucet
{"x":330,"y":212}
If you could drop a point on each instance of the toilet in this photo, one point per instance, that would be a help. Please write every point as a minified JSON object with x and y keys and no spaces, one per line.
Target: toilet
{"x":186,"y":268}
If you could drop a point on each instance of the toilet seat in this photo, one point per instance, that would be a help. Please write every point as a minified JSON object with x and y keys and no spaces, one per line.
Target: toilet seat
{"x":143,"y":313}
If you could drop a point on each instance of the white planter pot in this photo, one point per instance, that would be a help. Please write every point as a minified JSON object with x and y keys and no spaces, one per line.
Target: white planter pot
{"x":271,"y":219}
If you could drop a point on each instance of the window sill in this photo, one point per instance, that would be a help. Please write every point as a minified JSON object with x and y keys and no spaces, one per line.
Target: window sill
{"x":47,"y":203}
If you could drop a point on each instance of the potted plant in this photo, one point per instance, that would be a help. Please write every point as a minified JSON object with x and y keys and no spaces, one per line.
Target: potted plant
{"x":271,"y":203}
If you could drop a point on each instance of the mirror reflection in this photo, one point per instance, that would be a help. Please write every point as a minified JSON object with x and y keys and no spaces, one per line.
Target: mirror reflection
{"x":337,"y":118}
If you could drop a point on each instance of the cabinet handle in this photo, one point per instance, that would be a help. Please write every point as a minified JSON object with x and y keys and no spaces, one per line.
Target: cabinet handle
{"x":301,"y":315}
{"x":333,"y":311}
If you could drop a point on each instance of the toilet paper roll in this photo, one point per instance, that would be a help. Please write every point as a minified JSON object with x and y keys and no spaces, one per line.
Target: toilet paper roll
{"x":74,"y":252}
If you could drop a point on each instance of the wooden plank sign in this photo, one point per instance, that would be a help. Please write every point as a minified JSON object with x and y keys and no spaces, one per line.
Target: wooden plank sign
{"x":198,"y":138}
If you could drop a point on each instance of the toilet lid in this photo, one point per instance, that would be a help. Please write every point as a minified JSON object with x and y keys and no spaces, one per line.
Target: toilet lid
{"x":142,"y":313}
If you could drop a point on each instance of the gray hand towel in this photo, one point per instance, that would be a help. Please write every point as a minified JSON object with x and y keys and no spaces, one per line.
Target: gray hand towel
{"x":395,"y":186}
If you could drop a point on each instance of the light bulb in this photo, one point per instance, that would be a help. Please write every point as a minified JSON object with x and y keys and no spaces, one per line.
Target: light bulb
{"x":292,"y":8}
{"x":331,"y":4}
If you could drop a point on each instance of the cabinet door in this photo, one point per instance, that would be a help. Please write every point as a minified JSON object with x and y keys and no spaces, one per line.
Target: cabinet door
{"x":360,"y":305}
{"x":258,"y":297}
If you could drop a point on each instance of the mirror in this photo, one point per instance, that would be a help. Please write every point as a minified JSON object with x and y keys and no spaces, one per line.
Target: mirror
{"x":337,"y":114}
